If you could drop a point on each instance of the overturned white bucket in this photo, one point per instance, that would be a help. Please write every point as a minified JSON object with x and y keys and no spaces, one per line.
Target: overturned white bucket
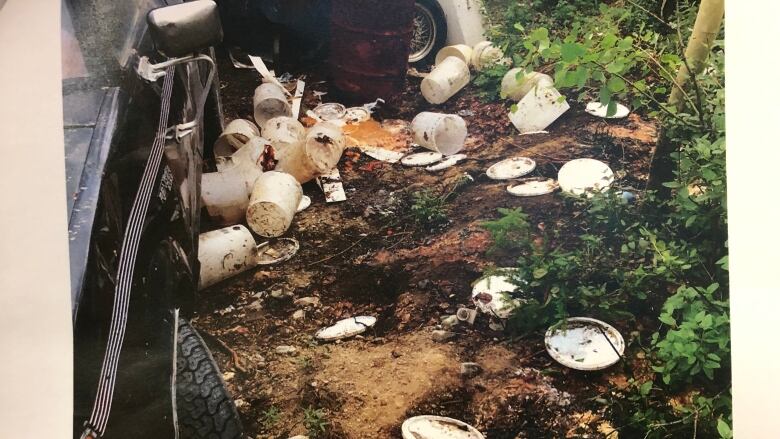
{"x":235,"y":135}
{"x":284,"y":132}
{"x":274,"y":201}
{"x":461,"y":51}
{"x":224,"y":253}
{"x":316,"y":155}
{"x":538,"y":109}
{"x":445,"y":80}
{"x":517,"y":83}
{"x":270,"y":101}
{"x":225,"y":195}
{"x":444,"y":133}
{"x":485,"y":54}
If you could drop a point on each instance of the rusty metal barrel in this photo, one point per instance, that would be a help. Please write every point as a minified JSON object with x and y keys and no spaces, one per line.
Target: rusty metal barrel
{"x":370,"y":47}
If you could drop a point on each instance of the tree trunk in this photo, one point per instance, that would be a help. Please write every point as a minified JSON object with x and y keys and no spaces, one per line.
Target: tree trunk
{"x":705,"y":30}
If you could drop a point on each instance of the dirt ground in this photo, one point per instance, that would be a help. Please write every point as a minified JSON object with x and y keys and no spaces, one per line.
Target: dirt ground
{"x":367,"y":256}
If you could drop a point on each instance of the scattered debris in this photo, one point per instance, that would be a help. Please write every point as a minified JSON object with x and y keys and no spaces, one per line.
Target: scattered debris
{"x":538,"y":109}
{"x":532,"y":187}
{"x":332,"y":187}
{"x":422,"y":158}
{"x":447,"y":163}
{"x":259,"y":65}
{"x":584,"y":343}
{"x":277,"y":251}
{"x":508,"y":169}
{"x":286,"y":350}
{"x":446,"y":79}
{"x":307,"y":301}
{"x":585,"y":176}
{"x":346,"y":328}
{"x":444,"y":133}
{"x":467,"y":315}
{"x":275,"y":199}
{"x":357,"y":114}
{"x":438,"y":427}
{"x":465,"y":113}
{"x":470,"y":370}
{"x":598,"y":110}
{"x":493,"y":295}
{"x":449,"y":322}
{"x":234,"y":55}
{"x":441,"y":336}
{"x":297,"y":98}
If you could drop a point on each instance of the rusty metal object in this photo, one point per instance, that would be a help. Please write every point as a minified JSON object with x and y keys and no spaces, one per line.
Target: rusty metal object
{"x":370,"y":47}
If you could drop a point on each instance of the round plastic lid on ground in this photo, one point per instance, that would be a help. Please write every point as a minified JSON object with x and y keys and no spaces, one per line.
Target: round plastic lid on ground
{"x":492,"y":295}
{"x":276,"y":251}
{"x":585,"y":176}
{"x":330,"y":111}
{"x":533,"y":187}
{"x":438,"y":427}
{"x":346,"y":328}
{"x":515,"y":167}
{"x":446,"y":163}
{"x":422,"y":158}
{"x":598,"y":110}
{"x":583,"y":343}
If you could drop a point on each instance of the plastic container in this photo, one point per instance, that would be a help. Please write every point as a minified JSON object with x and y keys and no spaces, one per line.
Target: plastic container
{"x":269,"y":102}
{"x":516,"y":89}
{"x":444,"y":133}
{"x":224,"y":253}
{"x":274,"y":201}
{"x":226,"y":194}
{"x":445,"y":80}
{"x":316,"y":155}
{"x":461,"y":51}
{"x":284,"y":132}
{"x":484,"y":54}
{"x":538,"y":109}
{"x":234,"y":136}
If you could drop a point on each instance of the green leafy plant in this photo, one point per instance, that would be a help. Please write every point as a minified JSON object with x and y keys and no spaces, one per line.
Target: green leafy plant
{"x":315,"y":421}
{"x":270,"y":417}
{"x":428,"y":208}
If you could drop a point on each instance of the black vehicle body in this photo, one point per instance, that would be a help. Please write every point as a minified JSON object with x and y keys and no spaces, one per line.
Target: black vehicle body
{"x":110,"y":120}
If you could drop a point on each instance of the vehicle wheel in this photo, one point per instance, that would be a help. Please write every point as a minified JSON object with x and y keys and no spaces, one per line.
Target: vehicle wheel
{"x":204,"y":407}
{"x":430,"y":32}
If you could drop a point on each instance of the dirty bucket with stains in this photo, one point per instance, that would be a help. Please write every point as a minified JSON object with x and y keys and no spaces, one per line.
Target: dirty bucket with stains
{"x":485,"y":54}
{"x":462,"y":51}
{"x":274,"y":201}
{"x":284,"y":132}
{"x":370,"y":43}
{"x":268,"y":102}
{"x":257,"y":152}
{"x":444,"y":133}
{"x":316,"y":155}
{"x":225,"y":194}
{"x":224,"y":253}
{"x":235,"y":135}
{"x":445,"y":80}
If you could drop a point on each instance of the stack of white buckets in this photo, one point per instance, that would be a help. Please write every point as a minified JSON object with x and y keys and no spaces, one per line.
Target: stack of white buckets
{"x":241,"y":190}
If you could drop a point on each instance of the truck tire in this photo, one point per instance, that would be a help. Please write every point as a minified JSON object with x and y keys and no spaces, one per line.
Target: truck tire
{"x":430,"y":32}
{"x":205,"y":409}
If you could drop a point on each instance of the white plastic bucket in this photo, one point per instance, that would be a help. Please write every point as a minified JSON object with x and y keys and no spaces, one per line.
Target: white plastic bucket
{"x":538,"y":109}
{"x":445,"y":80}
{"x":235,"y":135}
{"x":226,"y":194}
{"x":444,"y":133}
{"x":484,"y":54}
{"x":251,"y":154}
{"x":516,"y":89}
{"x":284,"y":132}
{"x":270,"y":101}
{"x":461,"y":51}
{"x":316,"y":155}
{"x":224,"y":253}
{"x":274,"y":201}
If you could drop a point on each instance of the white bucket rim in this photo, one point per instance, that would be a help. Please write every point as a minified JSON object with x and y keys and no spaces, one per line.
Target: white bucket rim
{"x":589,"y":360}
{"x":514,"y":167}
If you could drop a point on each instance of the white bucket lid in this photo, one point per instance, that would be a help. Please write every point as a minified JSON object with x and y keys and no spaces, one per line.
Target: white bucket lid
{"x":585,"y":176}
{"x":514,"y":167}
{"x":491,"y":295}
{"x":278,"y":251}
{"x":598,"y":110}
{"x":582,"y":344}
{"x":384,"y":155}
{"x":438,"y":427}
{"x":533,"y":187}
{"x":446,"y":163}
{"x":330,"y":111}
{"x":304,"y":204}
{"x":346,"y":328}
{"x":422,"y":158}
